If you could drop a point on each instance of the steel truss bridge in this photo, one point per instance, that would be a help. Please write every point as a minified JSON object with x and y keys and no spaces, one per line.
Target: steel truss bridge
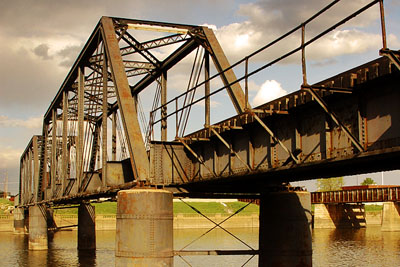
{"x":94,"y":144}
{"x":358,"y":195}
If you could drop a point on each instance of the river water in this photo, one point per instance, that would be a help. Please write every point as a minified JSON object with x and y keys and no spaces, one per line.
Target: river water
{"x":331,"y":247}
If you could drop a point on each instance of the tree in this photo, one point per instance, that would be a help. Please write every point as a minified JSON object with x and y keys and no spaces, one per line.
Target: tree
{"x":368,"y":181}
{"x":330,"y":184}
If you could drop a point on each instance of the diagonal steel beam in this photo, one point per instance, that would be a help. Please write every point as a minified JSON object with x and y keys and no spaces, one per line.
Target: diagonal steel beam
{"x":392,"y":55}
{"x":196,"y":156}
{"x":274,"y":137}
{"x":168,"y":63}
{"x":322,"y":103}
{"x":228,"y":77}
{"x":230,"y":149}
{"x":136,"y":45}
{"x":126,"y":104}
{"x":172,"y":39}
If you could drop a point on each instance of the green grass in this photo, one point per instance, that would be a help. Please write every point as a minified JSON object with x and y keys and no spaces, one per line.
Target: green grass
{"x":373,"y":208}
{"x":179,"y":207}
{"x":4,"y":203}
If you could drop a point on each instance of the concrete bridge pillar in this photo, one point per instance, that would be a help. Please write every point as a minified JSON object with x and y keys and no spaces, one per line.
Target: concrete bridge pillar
{"x":144,"y":228}
{"x":391,"y":216}
{"x":19,"y":221}
{"x":86,"y":227}
{"x":285,"y":229}
{"x":38,"y":228}
{"x":339,"y":216}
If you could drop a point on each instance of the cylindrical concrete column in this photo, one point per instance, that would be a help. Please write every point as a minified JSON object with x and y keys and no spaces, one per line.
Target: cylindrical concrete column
{"x":37,"y":228}
{"x":285,"y":229}
{"x":144,"y":228}
{"x":86,"y":226}
{"x":19,"y":221}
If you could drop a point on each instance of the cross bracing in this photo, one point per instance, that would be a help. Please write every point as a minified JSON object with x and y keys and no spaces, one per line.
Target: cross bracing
{"x":96,"y":140}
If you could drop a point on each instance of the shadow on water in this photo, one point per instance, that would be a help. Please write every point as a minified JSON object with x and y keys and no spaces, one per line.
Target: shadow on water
{"x":87,"y":257}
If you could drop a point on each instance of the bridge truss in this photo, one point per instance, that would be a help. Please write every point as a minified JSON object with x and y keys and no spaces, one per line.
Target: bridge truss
{"x":93,"y":143}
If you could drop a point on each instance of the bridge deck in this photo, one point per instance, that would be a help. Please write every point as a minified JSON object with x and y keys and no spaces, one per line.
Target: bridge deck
{"x":376,"y":194}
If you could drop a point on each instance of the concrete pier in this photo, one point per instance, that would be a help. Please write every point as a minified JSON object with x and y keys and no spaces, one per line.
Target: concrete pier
{"x":144,"y":228}
{"x":285,"y":229}
{"x":391,"y":216}
{"x":19,"y":221}
{"x":86,"y":227}
{"x":339,"y":216}
{"x":37,"y":228}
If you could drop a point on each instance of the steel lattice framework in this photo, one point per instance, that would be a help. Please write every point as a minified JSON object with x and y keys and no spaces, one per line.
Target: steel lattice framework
{"x":93,"y":143}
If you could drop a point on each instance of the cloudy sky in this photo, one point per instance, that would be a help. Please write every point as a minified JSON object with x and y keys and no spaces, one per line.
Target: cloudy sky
{"x":39,"y":41}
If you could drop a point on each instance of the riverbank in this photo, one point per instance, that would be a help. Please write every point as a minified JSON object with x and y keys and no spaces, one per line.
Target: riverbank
{"x":181,"y":221}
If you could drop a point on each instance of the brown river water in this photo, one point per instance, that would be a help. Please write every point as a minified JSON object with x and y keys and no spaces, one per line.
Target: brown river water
{"x":331,"y":247}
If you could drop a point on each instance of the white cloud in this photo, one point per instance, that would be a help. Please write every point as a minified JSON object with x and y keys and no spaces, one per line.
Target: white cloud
{"x":267,"y":20}
{"x":30,"y":123}
{"x":269,"y":91}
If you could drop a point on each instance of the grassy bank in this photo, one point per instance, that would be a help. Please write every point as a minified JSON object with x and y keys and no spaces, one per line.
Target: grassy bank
{"x":179,"y":207}
{"x":5,"y":206}
{"x":373,"y":208}
{"x":368,"y":208}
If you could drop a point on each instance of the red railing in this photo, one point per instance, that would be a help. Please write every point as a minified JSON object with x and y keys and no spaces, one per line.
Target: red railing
{"x":375,"y":194}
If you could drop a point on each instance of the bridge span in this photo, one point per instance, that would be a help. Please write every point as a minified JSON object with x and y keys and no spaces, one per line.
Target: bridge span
{"x":95,"y":144}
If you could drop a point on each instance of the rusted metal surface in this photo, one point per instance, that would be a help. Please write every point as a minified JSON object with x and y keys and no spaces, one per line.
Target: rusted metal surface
{"x":334,"y":127}
{"x":138,"y":156}
{"x":380,"y":194}
{"x":144,"y":235}
{"x":228,"y":77}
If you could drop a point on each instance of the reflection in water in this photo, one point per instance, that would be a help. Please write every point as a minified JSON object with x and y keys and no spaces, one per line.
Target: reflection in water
{"x":331,"y":247}
{"x":356,"y":247}
{"x":87,"y":257}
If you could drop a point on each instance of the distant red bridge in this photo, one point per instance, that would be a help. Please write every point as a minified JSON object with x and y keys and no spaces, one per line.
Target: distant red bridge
{"x":358,"y":194}
{"x":353,"y":194}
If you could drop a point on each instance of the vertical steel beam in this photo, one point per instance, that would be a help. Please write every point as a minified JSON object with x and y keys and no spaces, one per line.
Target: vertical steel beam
{"x":79,"y":147}
{"x":322,"y":103}
{"x":164,"y":108}
{"x":24,"y":178}
{"x":29,"y":176}
{"x":207,"y":88}
{"x":35,"y":148}
{"x":114,"y":136}
{"x":43,"y":182}
{"x":53,"y":166}
{"x":228,"y":77}
{"x":20,"y":182}
{"x":274,"y":137}
{"x":138,"y":155}
{"x":383,"y":28}
{"x":104,"y":123}
{"x":303,"y":54}
{"x":230,"y":149}
{"x":65,"y":152}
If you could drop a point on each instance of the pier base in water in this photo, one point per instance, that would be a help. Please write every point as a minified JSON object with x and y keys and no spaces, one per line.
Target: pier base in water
{"x":19,"y":221}
{"x":285,"y":229}
{"x":86,"y":227}
{"x":144,"y":228}
{"x":38,"y":228}
{"x":341,"y":215}
{"x":391,"y":217}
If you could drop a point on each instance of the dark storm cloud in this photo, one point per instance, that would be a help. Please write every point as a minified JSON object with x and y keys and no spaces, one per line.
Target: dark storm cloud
{"x":42,"y":51}
{"x":69,"y":54}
